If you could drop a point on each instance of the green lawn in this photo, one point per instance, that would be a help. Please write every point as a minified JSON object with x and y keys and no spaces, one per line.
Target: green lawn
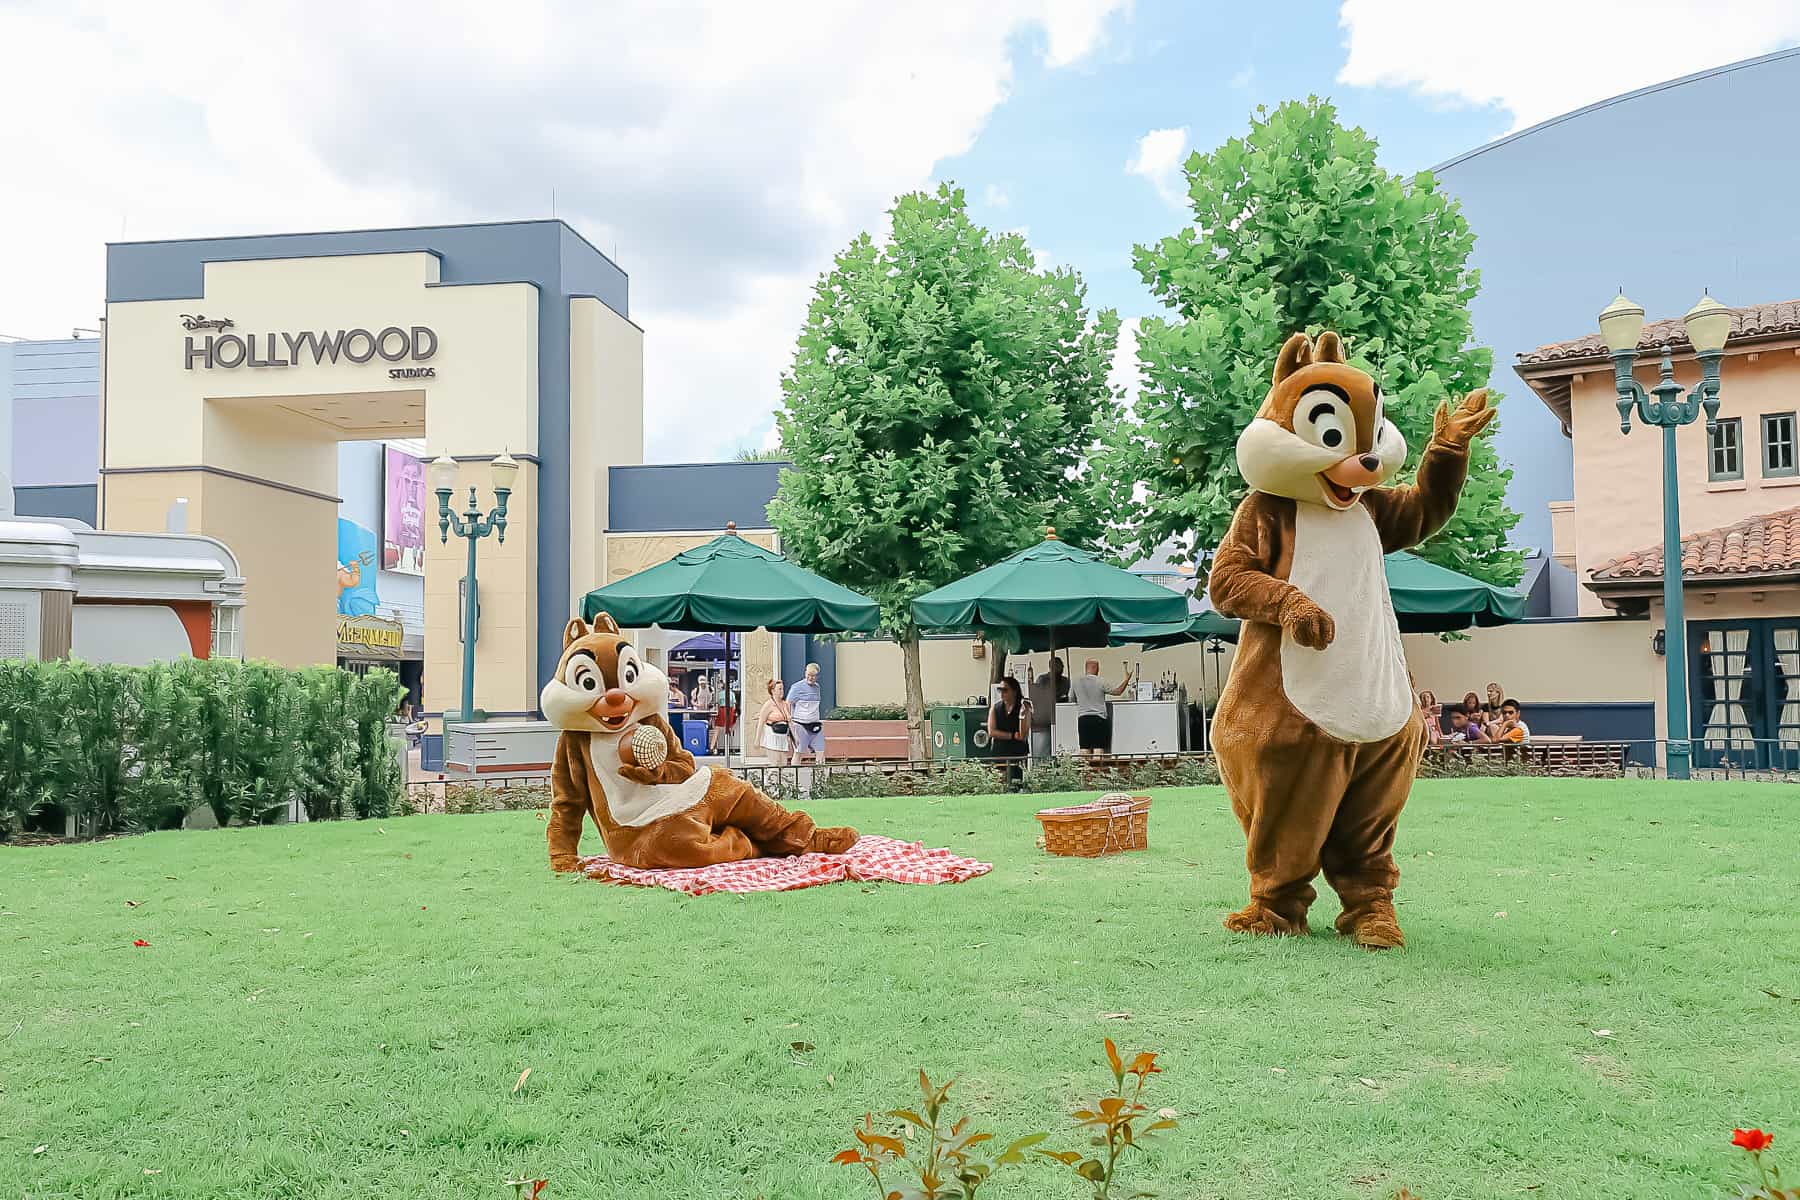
{"x":343,"y":1010}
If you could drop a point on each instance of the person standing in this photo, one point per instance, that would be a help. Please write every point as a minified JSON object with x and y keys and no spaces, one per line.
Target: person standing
{"x":1092,"y":720}
{"x":1009,"y":720}
{"x":806,"y":721}
{"x":1047,"y":691}
{"x":776,"y":723}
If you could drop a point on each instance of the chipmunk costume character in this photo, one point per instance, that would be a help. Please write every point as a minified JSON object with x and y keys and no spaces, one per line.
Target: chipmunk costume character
{"x":619,"y":762}
{"x":1317,"y":732}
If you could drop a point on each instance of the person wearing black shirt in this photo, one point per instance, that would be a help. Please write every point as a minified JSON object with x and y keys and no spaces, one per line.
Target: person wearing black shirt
{"x":1008,"y":722}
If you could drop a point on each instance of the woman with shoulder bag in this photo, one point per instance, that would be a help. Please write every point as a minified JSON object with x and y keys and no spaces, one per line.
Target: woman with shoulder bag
{"x":777,"y":737}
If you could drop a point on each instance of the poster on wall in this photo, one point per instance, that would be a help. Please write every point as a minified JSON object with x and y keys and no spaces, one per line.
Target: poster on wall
{"x":357,"y":596}
{"x":403,"y":520}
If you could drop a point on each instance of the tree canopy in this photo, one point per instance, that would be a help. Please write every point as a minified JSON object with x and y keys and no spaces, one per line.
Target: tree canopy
{"x":1297,"y":227}
{"x":942,"y":397}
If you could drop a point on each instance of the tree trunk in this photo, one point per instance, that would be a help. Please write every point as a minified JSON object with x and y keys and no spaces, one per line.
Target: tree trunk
{"x":917,"y":749}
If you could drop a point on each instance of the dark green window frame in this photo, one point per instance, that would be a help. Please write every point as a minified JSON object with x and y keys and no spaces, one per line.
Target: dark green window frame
{"x":1725,"y":450}
{"x":1780,"y":452}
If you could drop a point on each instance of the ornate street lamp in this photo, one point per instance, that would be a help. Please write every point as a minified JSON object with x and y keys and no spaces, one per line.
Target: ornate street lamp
{"x":1708,"y":324}
{"x":472,"y":526}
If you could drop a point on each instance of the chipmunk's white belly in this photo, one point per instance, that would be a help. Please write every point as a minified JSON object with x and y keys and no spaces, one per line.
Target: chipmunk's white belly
{"x":1356,"y":689}
{"x":637,"y":804}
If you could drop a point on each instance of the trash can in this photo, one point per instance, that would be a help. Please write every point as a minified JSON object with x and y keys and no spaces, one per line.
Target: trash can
{"x":431,"y":752}
{"x":960,"y":732}
{"x":693,"y":737}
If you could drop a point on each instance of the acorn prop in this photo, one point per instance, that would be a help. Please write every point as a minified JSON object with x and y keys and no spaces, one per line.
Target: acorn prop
{"x":649,"y":748}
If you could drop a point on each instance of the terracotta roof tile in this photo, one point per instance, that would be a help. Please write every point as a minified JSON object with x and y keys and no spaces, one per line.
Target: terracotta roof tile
{"x":1760,"y":545}
{"x":1756,"y":320}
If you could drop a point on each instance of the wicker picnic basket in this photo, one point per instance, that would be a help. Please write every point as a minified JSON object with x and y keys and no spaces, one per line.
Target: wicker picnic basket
{"x":1111,"y":824}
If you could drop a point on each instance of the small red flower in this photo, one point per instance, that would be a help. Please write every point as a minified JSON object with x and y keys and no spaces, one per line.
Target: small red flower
{"x":538,"y":1185}
{"x":1753,"y":1140}
{"x":140,"y":943}
{"x":421,"y":908}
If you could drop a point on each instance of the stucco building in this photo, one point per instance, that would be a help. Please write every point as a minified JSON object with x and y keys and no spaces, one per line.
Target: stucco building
{"x":1738,"y":484}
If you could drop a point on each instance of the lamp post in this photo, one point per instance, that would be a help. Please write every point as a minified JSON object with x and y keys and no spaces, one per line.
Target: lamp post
{"x":472,"y":526}
{"x":1669,"y":406}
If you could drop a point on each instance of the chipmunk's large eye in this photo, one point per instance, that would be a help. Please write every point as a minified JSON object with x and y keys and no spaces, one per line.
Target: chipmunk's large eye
{"x":628,"y":668}
{"x":583,"y":674}
{"x":1324,"y":419}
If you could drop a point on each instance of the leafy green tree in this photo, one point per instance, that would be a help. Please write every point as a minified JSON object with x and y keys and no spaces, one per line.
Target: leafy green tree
{"x":1296,"y":227}
{"x":941,"y":400}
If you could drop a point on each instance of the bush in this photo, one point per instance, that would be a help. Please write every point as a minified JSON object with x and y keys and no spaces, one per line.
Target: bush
{"x":842,"y":784}
{"x":123,"y":749}
{"x":879,"y":712}
{"x":1063,"y":774}
{"x":479,"y":798}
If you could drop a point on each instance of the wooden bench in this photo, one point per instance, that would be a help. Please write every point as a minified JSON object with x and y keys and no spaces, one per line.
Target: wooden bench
{"x":861,"y":740}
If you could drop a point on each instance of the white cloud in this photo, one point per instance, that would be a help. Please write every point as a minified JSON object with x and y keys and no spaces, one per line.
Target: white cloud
{"x":1159,"y":156}
{"x":1244,"y":78}
{"x":994,"y":196}
{"x":727,"y":150}
{"x":1541,"y":58}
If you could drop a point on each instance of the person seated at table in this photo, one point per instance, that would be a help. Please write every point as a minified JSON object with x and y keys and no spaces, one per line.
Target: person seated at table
{"x":1431,"y":712}
{"x":1512,"y":728}
{"x":1093,"y":722}
{"x":676,"y":699}
{"x":1464,"y":728}
{"x":1009,"y":720}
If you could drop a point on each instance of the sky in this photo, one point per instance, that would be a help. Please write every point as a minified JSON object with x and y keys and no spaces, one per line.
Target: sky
{"x":723,"y":152}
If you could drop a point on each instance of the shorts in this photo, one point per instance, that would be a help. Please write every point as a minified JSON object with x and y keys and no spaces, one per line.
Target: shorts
{"x":807,"y":740}
{"x":1094,"y":733}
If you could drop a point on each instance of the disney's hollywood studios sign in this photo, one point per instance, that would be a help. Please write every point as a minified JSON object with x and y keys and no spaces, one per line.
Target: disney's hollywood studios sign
{"x":223,"y":350}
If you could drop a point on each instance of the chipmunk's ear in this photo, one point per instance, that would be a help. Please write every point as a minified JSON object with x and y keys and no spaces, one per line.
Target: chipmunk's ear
{"x":603,"y":623}
{"x":1296,"y":352}
{"x":1329,"y":348}
{"x":574,"y":631}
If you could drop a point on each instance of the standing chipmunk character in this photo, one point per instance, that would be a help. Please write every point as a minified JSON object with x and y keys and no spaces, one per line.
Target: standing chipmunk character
{"x":619,"y":761}
{"x":1317,"y":733}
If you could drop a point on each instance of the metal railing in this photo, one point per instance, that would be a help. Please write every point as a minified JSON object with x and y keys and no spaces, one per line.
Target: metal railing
{"x":1766,"y":760}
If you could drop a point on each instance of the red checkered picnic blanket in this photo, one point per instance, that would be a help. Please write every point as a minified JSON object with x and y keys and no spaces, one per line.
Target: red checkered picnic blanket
{"x":873,"y":858}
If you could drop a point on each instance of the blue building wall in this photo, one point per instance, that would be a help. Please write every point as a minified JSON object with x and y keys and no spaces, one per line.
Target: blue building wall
{"x":50,"y":425}
{"x":691,"y":497}
{"x":1665,"y":191}
{"x":549,"y":255}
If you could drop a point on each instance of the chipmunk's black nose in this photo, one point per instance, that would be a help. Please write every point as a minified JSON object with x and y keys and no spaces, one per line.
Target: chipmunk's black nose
{"x":1370,"y":462}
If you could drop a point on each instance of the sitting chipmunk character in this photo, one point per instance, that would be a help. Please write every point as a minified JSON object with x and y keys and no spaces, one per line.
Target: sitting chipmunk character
{"x":619,"y":761}
{"x":1317,"y":733}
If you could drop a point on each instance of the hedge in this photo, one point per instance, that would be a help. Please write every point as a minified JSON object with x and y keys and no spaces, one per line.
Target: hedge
{"x":124,"y":749}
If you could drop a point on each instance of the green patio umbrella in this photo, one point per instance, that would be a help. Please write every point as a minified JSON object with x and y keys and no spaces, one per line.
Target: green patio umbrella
{"x":1433,"y":599}
{"x":731,"y":586}
{"x":1048,"y":595}
{"x":1197,"y":628}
